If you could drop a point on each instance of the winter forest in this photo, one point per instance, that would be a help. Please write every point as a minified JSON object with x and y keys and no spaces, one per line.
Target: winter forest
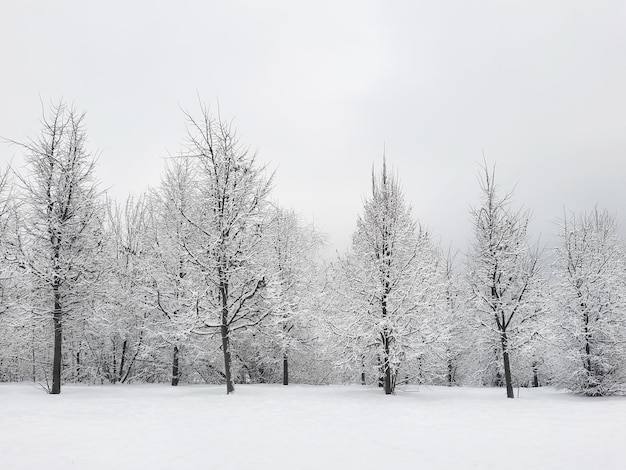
{"x":207,"y":279}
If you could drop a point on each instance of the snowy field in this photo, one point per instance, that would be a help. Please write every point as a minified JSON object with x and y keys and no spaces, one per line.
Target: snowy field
{"x":307,"y":427}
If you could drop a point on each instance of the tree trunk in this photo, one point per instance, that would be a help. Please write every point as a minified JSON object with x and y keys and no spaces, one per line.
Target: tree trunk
{"x":227,"y":359}
{"x":225,"y":331}
{"x":498,"y":380}
{"x":535,"y":375}
{"x":507,"y":366}
{"x":58,"y":339}
{"x":285,"y":370}
{"x":386,"y":337}
{"x":587,"y":345}
{"x":363,"y":371}
{"x":78,"y":379}
{"x":387,"y":365}
{"x":34,"y":365}
{"x":175,"y":367}
{"x":122,"y":360}
{"x":113,"y":374}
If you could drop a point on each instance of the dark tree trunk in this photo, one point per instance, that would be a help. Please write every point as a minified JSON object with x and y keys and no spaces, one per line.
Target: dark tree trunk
{"x":225,"y":329}
{"x":363,"y":371}
{"x":507,"y":366}
{"x":498,"y":381}
{"x":285,"y":370}
{"x":58,"y":340}
{"x":78,"y":366}
{"x":535,"y":375}
{"x":587,"y":344}
{"x":175,"y":367}
{"x":34,"y":365}
{"x":122,"y":360}
{"x":387,"y":365}
{"x":113,"y":374}
{"x":230,"y":387}
{"x":386,"y":336}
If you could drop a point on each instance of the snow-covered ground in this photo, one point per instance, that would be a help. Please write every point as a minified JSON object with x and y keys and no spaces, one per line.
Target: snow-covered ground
{"x":307,"y":427}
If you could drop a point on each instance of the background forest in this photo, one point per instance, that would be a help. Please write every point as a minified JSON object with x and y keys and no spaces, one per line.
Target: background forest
{"x":206,"y":278}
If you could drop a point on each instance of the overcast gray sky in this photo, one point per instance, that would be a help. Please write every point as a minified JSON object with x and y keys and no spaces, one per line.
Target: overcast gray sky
{"x":320,"y":88}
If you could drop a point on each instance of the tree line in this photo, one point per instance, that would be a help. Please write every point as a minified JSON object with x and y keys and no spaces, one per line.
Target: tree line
{"x":204,"y":278}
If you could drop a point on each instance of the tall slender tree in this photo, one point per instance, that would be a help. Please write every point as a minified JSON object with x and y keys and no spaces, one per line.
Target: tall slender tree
{"x":503,"y":271}
{"x":60,"y":225}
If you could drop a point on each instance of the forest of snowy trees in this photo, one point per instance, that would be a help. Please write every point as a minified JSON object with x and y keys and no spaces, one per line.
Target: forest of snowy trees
{"x":206,"y":279}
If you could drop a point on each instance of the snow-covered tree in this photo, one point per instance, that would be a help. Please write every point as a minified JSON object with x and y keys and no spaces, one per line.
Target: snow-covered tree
{"x":453,"y":319}
{"x":590,"y":305}
{"x":227,"y":220}
{"x":60,"y":228}
{"x":503,"y":276}
{"x":128,"y":304}
{"x":176,"y":283}
{"x":9,"y":272}
{"x":292,"y":251}
{"x":391,"y":283}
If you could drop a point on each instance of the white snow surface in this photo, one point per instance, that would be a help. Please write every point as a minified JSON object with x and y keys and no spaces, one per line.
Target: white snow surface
{"x":307,"y":427}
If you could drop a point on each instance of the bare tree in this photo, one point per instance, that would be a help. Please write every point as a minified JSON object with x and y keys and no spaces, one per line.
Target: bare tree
{"x":503,"y":270}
